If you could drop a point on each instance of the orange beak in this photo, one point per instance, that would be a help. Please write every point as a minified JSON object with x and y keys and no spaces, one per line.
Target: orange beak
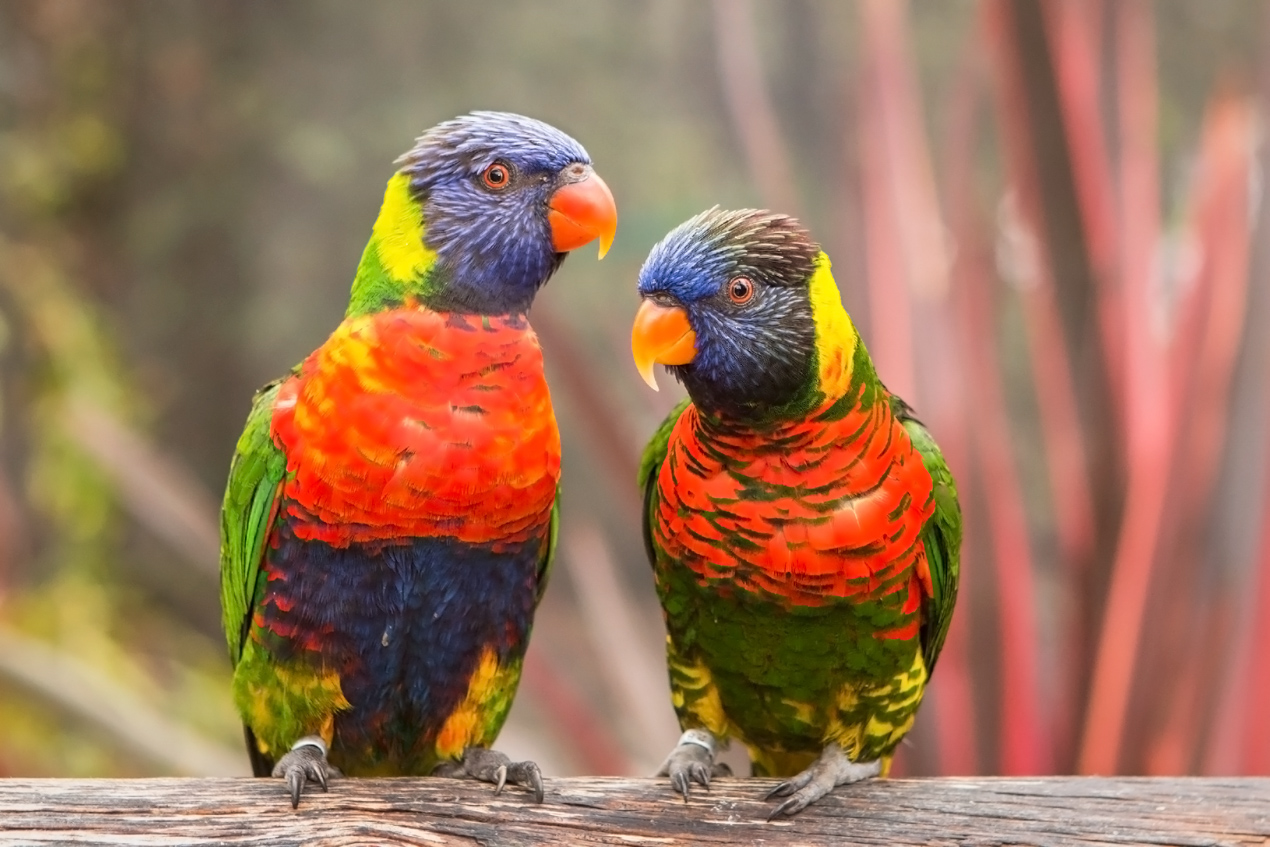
{"x":661,"y":334}
{"x":580,"y":212}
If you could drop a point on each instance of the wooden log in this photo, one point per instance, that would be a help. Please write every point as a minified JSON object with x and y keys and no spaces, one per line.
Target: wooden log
{"x":981,"y":811}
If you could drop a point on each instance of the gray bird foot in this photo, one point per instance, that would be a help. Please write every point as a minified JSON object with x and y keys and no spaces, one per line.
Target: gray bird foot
{"x":830,"y":770}
{"x":494,"y":767}
{"x":305,"y":762}
{"x":691,"y":761}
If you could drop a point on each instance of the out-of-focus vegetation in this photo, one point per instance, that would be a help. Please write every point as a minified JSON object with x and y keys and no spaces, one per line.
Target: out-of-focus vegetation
{"x":1044,"y":216}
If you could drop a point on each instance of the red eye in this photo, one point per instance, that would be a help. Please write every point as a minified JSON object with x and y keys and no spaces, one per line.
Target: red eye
{"x":496,"y":176}
{"x":741,"y":290}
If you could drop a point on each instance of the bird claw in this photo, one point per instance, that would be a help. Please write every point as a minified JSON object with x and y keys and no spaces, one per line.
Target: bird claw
{"x":832,"y":769}
{"x":501,"y":773}
{"x":691,"y":761}
{"x":494,"y":767}
{"x":788,"y":787}
{"x":305,"y":762}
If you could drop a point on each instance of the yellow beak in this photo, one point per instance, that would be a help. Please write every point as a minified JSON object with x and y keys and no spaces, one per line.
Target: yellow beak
{"x":661,"y":334}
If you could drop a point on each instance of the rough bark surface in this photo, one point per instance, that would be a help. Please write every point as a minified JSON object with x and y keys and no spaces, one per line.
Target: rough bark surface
{"x":980,"y":811}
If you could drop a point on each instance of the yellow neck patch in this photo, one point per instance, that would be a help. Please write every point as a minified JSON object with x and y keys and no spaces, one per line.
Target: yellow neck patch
{"x":836,"y":336}
{"x":398,"y":233}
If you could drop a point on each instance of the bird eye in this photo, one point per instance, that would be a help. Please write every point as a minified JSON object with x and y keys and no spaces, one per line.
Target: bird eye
{"x":497,"y":176}
{"x":741,"y":290}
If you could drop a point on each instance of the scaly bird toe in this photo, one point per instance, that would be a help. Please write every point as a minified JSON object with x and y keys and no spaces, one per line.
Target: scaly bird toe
{"x":691,"y":761}
{"x":305,"y":762}
{"x":831,"y":769}
{"x":494,"y":767}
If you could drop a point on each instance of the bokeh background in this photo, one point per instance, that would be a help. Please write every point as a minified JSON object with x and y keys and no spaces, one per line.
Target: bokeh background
{"x":1045,"y":217}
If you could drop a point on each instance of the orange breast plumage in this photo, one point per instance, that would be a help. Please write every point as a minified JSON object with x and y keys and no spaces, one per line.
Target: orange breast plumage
{"x":411,"y":423}
{"x":828,"y":507}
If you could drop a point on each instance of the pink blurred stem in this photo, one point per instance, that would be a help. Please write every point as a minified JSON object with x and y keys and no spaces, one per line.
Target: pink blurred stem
{"x":1206,"y":343}
{"x":957,"y":415}
{"x":1256,"y":725}
{"x":582,"y":731}
{"x":1074,"y":34}
{"x":736,"y":47}
{"x":1149,"y":414}
{"x":1022,"y":736}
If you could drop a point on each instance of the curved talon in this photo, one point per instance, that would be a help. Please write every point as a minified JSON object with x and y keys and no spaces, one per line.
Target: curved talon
{"x":679,"y":781}
{"x":528,"y":773}
{"x":501,"y":773}
{"x":494,"y":767}
{"x":691,"y":761}
{"x":783,"y":790}
{"x":792,"y":806}
{"x":295,"y":779}
{"x":304,"y":762}
{"x":831,"y":769}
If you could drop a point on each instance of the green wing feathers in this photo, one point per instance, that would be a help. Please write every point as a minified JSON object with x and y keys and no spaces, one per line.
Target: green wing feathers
{"x":549,"y":554}
{"x":248,"y":512}
{"x":942,"y":535}
{"x":649,"y":465}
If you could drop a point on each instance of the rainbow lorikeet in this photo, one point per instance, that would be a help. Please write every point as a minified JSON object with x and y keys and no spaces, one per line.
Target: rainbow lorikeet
{"x":390,"y":515}
{"x":802,"y":526}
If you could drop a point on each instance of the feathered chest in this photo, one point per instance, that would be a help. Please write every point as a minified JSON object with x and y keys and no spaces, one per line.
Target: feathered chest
{"x":413,"y":423}
{"x":832,"y":506}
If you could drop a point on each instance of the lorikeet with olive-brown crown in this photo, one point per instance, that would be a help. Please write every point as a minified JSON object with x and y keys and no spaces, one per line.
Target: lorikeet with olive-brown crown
{"x":390,"y":515}
{"x":803,"y":528}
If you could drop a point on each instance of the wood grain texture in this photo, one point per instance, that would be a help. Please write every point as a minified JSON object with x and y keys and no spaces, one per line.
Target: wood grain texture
{"x":980,"y":811}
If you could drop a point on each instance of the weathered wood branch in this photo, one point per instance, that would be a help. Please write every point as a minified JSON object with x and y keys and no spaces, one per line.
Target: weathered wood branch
{"x":609,"y":810}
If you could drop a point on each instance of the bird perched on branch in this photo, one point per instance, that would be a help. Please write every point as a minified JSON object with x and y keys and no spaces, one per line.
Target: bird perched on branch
{"x":390,"y":515}
{"x":802,"y":526}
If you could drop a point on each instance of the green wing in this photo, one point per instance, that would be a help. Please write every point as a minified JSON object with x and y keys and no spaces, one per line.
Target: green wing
{"x":549,"y":555}
{"x":941,"y":535}
{"x":649,"y":464}
{"x":247,"y":514}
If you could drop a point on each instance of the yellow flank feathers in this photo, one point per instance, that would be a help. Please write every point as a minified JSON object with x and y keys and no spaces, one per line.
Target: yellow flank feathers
{"x":300,"y":700}
{"x":478,"y":718}
{"x":836,"y":336}
{"x":398,"y":233}
{"x":693,"y":693}
{"x":875,"y":719}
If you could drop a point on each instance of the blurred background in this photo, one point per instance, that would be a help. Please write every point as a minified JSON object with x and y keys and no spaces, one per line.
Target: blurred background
{"x":1044,"y":216}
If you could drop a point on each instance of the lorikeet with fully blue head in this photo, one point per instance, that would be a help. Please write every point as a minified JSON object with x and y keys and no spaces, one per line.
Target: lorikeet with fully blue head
{"x":390,"y":515}
{"x":803,"y":528}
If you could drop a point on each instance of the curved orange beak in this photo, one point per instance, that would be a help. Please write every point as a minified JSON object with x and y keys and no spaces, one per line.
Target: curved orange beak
{"x":580,"y":212}
{"x":661,"y":334}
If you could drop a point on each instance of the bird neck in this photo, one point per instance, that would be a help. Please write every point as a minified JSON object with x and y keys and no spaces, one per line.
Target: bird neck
{"x":836,"y":336}
{"x":396,"y":265}
{"x":494,"y":277}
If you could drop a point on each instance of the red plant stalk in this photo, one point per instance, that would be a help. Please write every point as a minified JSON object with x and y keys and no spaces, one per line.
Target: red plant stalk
{"x":1203,"y":360}
{"x":1256,"y":728}
{"x":971,"y":265}
{"x":1074,"y":32}
{"x":908,"y":277}
{"x":1070,"y":28}
{"x":1209,"y":331}
{"x":1062,"y":433}
{"x":1148,"y":410}
{"x":1022,"y":739}
{"x":585,"y":734}
{"x":1066,"y":464}
{"x":890,"y":338}
{"x":741,"y":75}
{"x":909,"y":167}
